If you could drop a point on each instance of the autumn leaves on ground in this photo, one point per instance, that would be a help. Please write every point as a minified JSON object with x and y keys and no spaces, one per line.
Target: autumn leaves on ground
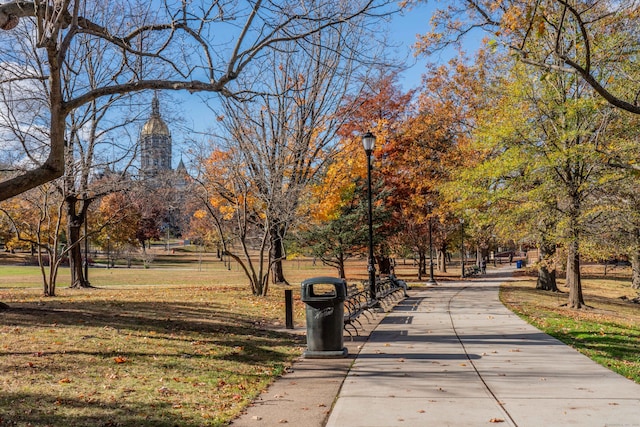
{"x":137,"y":355}
{"x":191,"y":346}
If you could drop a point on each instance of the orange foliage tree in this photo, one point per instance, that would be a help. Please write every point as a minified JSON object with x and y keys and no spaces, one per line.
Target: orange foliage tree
{"x":425,"y":155}
{"x":382,"y":108}
{"x":237,"y":213}
{"x":37,"y":219}
{"x":271,"y":149}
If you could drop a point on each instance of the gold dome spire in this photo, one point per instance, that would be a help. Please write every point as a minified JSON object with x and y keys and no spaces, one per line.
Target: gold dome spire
{"x":155,"y":125}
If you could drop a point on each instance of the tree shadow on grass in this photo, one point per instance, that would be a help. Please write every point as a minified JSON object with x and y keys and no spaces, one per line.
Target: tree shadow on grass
{"x":72,"y":347}
{"x":45,"y":411}
{"x":158,"y":320}
{"x":138,"y":316}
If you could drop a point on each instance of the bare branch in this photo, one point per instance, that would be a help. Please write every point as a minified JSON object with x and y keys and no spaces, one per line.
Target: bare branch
{"x":165,"y":51}
{"x":616,"y":19}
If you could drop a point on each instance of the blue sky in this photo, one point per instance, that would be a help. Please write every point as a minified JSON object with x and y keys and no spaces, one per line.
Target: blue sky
{"x":403,"y":30}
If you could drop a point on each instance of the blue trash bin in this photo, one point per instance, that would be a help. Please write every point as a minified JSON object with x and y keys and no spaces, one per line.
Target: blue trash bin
{"x":519,"y":264}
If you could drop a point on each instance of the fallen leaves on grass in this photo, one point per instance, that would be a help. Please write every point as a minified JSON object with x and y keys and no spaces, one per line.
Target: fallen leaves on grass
{"x":96,"y":364}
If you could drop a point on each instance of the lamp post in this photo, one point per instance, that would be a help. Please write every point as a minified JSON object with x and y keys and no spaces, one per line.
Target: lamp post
{"x":369,"y":141}
{"x":432,"y":280}
{"x":462,"y":245}
{"x":495,"y":248}
{"x":86,"y":247}
{"x":108,"y":252}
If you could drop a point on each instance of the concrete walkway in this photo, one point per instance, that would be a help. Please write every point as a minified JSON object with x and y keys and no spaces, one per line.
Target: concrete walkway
{"x":453,"y":355}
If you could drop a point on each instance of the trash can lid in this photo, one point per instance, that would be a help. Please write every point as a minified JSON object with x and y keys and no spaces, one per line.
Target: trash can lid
{"x":313,"y":291}
{"x":323,"y":279}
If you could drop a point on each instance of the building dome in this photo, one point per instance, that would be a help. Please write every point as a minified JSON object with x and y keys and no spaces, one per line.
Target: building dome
{"x":155,"y":125}
{"x":155,"y":144}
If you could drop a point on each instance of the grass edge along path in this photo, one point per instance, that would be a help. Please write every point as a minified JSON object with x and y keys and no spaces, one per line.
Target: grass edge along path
{"x":608,"y":332}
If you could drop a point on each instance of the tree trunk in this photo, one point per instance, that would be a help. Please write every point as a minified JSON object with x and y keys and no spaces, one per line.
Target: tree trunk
{"x":442,"y":259}
{"x":277,"y":255}
{"x":635,"y":270}
{"x":547,"y":279}
{"x":74,"y":224}
{"x":576,"y":300}
{"x":546,"y":268}
{"x":75,"y":255}
{"x":384,"y":264}
{"x":422,"y":264}
{"x":341,"y":271}
{"x":48,"y":278}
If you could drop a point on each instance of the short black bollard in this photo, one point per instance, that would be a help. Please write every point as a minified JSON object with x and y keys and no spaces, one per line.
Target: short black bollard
{"x":288,"y":304}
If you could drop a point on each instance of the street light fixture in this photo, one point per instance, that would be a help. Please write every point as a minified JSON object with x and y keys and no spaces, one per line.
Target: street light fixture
{"x":369,"y":141}
{"x":462,"y":245}
{"x":432,"y":280}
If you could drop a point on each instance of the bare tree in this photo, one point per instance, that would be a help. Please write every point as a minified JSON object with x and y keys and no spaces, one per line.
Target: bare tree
{"x":36,"y":219}
{"x":91,"y":133}
{"x":196,"y":46}
{"x":79,"y":184}
{"x":279,"y":142}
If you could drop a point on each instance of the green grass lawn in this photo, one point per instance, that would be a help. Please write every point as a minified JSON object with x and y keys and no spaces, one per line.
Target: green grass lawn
{"x":607,"y":332}
{"x":187,"y":346}
{"x":185,"y":343}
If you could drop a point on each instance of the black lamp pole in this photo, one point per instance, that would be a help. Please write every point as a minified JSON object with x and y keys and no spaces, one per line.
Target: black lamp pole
{"x":86,"y":247}
{"x":368,"y":141}
{"x":432,"y":280}
{"x":462,"y":245}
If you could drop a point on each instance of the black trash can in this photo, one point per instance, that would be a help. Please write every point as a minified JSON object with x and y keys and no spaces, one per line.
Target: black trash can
{"x":324,"y":298}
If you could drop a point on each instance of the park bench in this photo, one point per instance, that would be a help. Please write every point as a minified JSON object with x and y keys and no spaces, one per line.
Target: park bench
{"x":359,"y":304}
{"x":471,"y":270}
{"x":389,"y":290}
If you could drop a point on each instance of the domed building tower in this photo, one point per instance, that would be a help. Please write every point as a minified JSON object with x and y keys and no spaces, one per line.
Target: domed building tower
{"x":155,"y":144}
